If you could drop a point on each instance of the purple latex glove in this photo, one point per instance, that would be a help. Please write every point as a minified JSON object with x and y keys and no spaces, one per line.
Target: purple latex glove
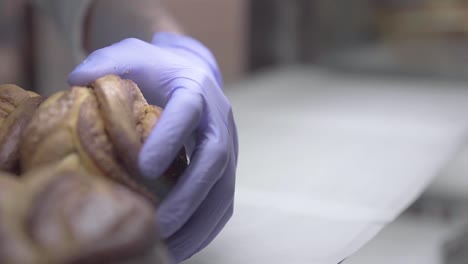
{"x":181,"y":75}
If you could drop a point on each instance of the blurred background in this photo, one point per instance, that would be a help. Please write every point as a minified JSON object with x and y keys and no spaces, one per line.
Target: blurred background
{"x":329,"y":94}
{"x":425,"y":38}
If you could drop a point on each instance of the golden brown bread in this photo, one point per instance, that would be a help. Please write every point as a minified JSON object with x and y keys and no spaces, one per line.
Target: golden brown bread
{"x":64,"y":208}
{"x":105,"y":125}
{"x":122,"y":106}
{"x":60,"y":215}
{"x":16,"y":109}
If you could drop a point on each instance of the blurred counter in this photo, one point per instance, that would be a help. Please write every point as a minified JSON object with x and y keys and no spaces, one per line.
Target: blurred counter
{"x":327,"y":160}
{"x":407,"y":240}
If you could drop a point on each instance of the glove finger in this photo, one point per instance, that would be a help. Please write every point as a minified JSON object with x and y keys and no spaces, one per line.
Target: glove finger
{"x":97,"y":65}
{"x":217,"y":228}
{"x":180,"y":252}
{"x":211,"y":214}
{"x":209,"y":162}
{"x":117,"y":59}
{"x":179,"y":120}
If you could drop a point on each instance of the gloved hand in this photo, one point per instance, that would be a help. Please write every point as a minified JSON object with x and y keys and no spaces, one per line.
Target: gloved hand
{"x":181,"y":75}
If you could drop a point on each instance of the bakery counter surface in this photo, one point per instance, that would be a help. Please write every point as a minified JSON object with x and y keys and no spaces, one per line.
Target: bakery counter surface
{"x":328,"y":160}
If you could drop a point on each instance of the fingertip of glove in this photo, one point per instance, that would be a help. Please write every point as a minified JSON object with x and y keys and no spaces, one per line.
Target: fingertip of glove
{"x":93,"y":67}
{"x":74,"y":78}
{"x":147,"y":164}
{"x":146,"y":170}
{"x":83,"y":74}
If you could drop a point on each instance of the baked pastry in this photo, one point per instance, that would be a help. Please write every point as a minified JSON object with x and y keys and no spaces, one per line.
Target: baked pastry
{"x":60,"y":215}
{"x":79,"y":197}
{"x":104,"y":125}
{"x":16,"y":109}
